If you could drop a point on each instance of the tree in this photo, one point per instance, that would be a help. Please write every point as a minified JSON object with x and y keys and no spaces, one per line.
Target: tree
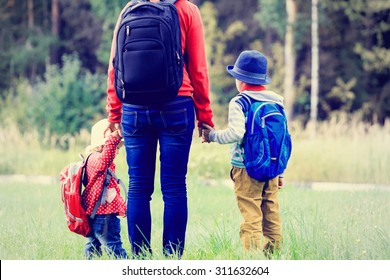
{"x":30,"y":14}
{"x":232,"y":11}
{"x":107,"y":11}
{"x":55,"y":31}
{"x":271,"y":17}
{"x":216,"y":41}
{"x":374,"y":17}
{"x":290,"y":58}
{"x":5,"y":46}
{"x":360,"y":49}
{"x":80,"y":32}
{"x":314,"y":66}
{"x":341,"y":96}
{"x":23,"y":42}
{"x":67,"y":99}
{"x":355,"y":46}
{"x":280,"y":22}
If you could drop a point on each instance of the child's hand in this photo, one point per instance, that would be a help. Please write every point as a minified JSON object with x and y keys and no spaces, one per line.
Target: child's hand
{"x":280,"y":185}
{"x":203,"y":126}
{"x":206,"y":136}
{"x":116,"y":133}
{"x":206,"y":133}
{"x":113,"y":127}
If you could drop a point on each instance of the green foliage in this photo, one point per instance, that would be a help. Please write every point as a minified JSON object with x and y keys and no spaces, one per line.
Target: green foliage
{"x":67,"y":100}
{"x":364,"y":56}
{"x":216,"y":41}
{"x":107,"y":11}
{"x":23,"y":48}
{"x":340,"y":97}
{"x":272,"y":14}
{"x":354,"y":45}
{"x":375,"y":60}
{"x":81,"y":32}
{"x":29,"y":59}
{"x":15,"y":104}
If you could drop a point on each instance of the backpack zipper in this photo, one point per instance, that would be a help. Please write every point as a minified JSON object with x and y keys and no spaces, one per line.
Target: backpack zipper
{"x":178,"y":58}
{"x":266,"y":116}
{"x":255,"y":113}
{"x":123,"y":89}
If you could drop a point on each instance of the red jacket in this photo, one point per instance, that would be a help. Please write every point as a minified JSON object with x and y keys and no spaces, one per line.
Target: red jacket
{"x":192,"y":41}
{"x":96,"y":170}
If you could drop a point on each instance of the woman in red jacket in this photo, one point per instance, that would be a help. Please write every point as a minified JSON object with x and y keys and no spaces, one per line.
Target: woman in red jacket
{"x":169,"y":125}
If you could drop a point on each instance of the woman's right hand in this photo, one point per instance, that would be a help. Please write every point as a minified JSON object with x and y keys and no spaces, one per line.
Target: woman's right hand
{"x":113,"y":127}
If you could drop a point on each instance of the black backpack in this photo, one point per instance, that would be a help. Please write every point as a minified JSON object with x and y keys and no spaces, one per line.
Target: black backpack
{"x":148,"y":62}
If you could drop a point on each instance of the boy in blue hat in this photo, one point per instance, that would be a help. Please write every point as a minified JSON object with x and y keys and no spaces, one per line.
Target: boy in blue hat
{"x":258,"y":201}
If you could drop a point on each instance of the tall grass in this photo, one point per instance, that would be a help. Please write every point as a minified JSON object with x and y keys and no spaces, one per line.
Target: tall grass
{"x":351,"y":152}
{"x":26,"y":153}
{"x":336,"y":225}
{"x":316,"y":225}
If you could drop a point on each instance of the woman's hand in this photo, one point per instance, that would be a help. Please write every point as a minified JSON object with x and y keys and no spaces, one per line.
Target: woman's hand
{"x":113,"y":127}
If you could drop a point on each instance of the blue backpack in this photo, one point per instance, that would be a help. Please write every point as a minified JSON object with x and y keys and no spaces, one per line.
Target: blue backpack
{"x":267,"y":142}
{"x":148,"y":61}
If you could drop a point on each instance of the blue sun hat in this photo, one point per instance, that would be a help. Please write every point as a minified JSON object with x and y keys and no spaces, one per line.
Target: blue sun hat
{"x":251,"y":68}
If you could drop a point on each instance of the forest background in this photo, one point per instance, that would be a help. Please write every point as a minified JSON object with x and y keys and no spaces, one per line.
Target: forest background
{"x":53,"y":63}
{"x":54,"y":56}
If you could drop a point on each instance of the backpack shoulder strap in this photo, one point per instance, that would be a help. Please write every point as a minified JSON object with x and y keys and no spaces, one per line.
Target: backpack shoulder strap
{"x":119,"y":181}
{"x":245,"y":102}
{"x":84,"y":179}
{"x":102,"y":197}
{"x":170,"y":1}
{"x":134,"y":4}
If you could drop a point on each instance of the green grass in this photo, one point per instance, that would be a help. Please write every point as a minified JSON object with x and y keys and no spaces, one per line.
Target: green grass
{"x":316,"y":225}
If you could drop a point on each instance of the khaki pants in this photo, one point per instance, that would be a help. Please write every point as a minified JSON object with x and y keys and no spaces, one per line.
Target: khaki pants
{"x":259,"y":206}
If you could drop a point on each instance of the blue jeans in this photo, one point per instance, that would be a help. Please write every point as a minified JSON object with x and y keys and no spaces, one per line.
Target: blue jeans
{"x":105,"y":231}
{"x":171,"y":127}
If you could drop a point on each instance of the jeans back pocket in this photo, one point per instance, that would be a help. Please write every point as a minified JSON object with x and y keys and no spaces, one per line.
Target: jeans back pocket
{"x":175,"y":121}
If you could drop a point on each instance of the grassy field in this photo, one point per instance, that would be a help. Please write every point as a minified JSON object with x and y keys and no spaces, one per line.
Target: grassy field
{"x":341,"y":152}
{"x":316,"y":225}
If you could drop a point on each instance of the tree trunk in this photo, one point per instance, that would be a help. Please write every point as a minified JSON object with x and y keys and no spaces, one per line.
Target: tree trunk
{"x":30,"y":27}
{"x":55,"y":31}
{"x":314,"y":67}
{"x":290,"y":58}
{"x":30,"y":14}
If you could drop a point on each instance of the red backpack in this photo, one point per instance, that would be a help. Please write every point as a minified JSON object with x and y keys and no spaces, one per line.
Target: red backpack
{"x":71,"y":179}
